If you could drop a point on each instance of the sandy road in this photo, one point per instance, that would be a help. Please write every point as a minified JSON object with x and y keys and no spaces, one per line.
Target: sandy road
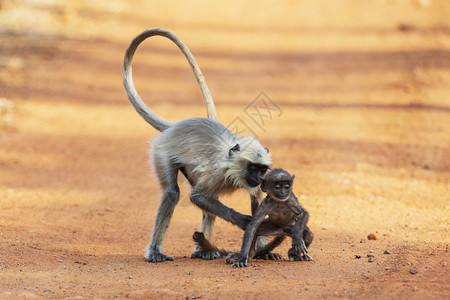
{"x":363,"y":120}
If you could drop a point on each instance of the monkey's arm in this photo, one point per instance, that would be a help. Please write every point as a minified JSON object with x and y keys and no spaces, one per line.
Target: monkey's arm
{"x":260,"y":247}
{"x":215,"y":207}
{"x":249,"y":234}
{"x":299,"y":226}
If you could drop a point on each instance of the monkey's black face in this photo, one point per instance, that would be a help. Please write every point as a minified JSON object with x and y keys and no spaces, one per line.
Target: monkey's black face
{"x":281,"y":190}
{"x":255,"y":173}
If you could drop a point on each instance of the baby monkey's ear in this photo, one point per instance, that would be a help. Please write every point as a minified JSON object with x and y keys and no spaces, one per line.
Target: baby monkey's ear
{"x":263,"y":185}
{"x":293,"y":176}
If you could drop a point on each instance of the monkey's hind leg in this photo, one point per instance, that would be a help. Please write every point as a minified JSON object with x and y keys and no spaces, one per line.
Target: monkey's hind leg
{"x":204,"y":244}
{"x":266,"y":250}
{"x":201,"y":249}
{"x":170,"y":198}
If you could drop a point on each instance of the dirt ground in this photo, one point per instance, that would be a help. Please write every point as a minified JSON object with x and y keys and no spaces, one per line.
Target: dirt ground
{"x":359,"y":95}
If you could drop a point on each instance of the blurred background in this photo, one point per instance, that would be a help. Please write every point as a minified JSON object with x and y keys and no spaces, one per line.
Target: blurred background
{"x":362,"y":97}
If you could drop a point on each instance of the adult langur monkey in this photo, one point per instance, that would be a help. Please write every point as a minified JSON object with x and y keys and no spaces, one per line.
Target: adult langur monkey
{"x":213,"y":159}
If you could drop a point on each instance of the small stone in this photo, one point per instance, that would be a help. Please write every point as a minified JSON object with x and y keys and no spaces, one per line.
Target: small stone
{"x":387,"y":252}
{"x":370,"y":255}
{"x":444,"y":263}
{"x":288,"y":276}
{"x":47,"y":291}
{"x":413,"y":271}
{"x":357,"y":256}
{"x":371,"y":259}
{"x":193,"y":297}
{"x":187,"y":272}
{"x":362,"y":241}
{"x":372,"y":237}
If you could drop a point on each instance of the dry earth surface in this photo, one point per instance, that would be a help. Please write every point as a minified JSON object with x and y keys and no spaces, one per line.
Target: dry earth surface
{"x":360,"y":94}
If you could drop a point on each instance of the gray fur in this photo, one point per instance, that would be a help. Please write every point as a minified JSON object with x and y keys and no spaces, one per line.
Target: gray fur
{"x":200,"y":149}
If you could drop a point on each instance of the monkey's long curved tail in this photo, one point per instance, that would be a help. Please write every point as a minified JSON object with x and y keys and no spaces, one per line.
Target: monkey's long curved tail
{"x":132,"y":94}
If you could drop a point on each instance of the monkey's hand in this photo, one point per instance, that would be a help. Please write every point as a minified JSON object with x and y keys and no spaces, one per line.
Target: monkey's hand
{"x":237,"y":260}
{"x":232,"y":257}
{"x":241,"y":220}
{"x":299,"y":252}
{"x":240,"y":263}
{"x":299,"y":245}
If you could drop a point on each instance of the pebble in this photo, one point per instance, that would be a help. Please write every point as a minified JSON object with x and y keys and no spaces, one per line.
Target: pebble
{"x":413,"y":271}
{"x":370,"y":255}
{"x":193,"y":297}
{"x":387,"y":252}
{"x":288,"y":276}
{"x":358,"y":256}
{"x":362,"y":241}
{"x":371,"y":259}
{"x":47,"y":291}
{"x":372,"y":237}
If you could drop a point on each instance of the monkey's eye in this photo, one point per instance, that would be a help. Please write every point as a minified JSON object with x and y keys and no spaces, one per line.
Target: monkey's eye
{"x":277,"y":186}
{"x":287,"y":186}
{"x":252,"y":167}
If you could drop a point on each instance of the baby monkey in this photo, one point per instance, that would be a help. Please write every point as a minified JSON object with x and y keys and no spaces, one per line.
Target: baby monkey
{"x":286,"y":217}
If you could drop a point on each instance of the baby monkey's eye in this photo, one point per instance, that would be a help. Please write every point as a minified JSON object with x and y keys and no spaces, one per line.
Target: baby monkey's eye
{"x":277,"y":186}
{"x":287,"y":185}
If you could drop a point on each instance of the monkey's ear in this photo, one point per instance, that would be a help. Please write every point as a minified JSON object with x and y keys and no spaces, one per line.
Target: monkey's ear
{"x":267,"y":150}
{"x":293,"y":176}
{"x":235,"y":148}
{"x":263,"y":186}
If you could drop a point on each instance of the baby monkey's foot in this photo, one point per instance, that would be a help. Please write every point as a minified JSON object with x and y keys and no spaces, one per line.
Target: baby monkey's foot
{"x":269,"y":256}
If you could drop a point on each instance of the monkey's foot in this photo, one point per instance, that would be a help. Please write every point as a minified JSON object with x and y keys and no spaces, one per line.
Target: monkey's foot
{"x":269,"y":256}
{"x":208,"y":255}
{"x":158,"y":257}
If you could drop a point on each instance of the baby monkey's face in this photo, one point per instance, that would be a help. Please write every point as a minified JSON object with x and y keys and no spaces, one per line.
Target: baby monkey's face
{"x":278,"y":184}
{"x":280,"y":190}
